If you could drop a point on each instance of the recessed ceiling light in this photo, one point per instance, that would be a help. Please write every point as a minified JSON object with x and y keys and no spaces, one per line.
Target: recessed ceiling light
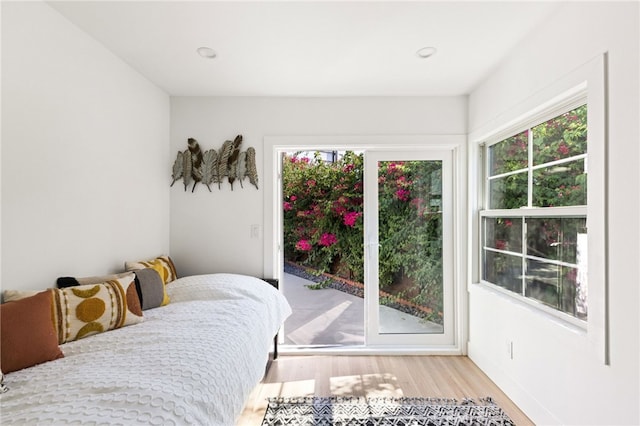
{"x":426,"y":52}
{"x":206,"y":52}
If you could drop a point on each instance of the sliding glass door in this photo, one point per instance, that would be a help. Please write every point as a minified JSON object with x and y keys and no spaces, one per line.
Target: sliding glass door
{"x":368,"y":256}
{"x":408,"y":215}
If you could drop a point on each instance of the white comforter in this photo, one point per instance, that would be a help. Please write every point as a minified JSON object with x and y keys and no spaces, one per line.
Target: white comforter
{"x":194,"y":361}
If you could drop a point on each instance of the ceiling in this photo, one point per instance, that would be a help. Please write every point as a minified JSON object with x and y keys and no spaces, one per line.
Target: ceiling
{"x":303,"y":48}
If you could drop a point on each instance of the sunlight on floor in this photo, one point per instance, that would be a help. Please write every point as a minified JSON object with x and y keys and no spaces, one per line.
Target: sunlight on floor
{"x":255,"y":411}
{"x":370,"y":385}
{"x":306,"y":332}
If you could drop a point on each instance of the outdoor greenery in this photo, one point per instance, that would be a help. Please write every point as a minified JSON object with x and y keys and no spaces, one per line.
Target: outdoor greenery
{"x":322,"y":206}
{"x":561,"y":183}
{"x":323,"y":223}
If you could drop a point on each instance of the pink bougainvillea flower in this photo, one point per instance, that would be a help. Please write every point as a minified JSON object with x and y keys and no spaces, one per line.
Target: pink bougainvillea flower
{"x":338,"y":208}
{"x":402,"y":194}
{"x":347,"y":168}
{"x":327,"y":239}
{"x":395,"y":167}
{"x":287,"y":206}
{"x":563,"y":149}
{"x":293,"y":198}
{"x":317,"y":211}
{"x":303,"y":245}
{"x":311,"y":182}
{"x":356,"y":201}
{"x":350,"y":218}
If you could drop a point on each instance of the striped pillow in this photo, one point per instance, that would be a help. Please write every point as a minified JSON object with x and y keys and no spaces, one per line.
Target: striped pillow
{"x":162,"y":264}
{"x":89,"y":309}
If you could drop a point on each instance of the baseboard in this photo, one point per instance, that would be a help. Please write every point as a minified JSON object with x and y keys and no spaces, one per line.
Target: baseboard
{"x":519,"y":395}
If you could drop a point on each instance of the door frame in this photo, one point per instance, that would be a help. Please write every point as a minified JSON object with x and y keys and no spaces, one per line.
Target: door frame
{"x":273,"y":259}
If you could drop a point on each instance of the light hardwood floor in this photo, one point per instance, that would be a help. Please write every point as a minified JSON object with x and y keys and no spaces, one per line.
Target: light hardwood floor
{"x":371,"y":376}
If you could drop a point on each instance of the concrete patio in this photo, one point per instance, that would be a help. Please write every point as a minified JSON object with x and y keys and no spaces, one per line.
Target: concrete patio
{"x":329,"y":317}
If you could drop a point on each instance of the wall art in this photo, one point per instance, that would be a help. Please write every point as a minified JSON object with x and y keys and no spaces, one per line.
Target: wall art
{"x":209,"y":167}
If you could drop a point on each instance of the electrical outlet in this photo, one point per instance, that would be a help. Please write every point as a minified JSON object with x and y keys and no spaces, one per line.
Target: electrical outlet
{"x":255,"y":231}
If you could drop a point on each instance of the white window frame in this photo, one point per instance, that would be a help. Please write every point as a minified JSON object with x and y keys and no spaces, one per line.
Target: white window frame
{"x":572,"y":101}
{"x":589,"y":79}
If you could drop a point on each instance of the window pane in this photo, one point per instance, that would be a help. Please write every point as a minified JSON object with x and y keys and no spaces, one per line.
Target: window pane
{"x":560,"y":287}
{"x":410,"y":261}
{"x":560,"y":185}
{"x":508,"y":192}
{"x":561,"y":137}
{"x":509,"y":155}
{"x":503,"y":270}
{"x":543,"y":282}
{"x":556,"y":238}
{"x":503,"y":233}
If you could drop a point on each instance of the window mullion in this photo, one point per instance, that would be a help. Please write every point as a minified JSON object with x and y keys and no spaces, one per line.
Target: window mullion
{"x":485,"y":175}
{"x":524,"y":256}
{"x":568,"y":211}
{"x":530,"y":168}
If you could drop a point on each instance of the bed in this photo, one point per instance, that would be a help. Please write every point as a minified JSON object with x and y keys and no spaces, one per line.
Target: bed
{"x":193,"y":361}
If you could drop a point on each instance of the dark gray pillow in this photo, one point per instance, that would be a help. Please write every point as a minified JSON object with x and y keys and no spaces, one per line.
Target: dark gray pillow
{"x":150,"y":288}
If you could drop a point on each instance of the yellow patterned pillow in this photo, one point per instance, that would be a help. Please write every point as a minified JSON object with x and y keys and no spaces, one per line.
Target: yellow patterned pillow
{"x":162,"y":264}
{"x":85,"y":310}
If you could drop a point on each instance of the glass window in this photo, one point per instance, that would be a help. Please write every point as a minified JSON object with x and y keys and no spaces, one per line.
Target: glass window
{"x":534,"y":240}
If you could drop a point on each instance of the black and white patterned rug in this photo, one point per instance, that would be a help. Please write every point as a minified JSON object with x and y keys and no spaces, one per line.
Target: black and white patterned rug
{"x":343,"y":411}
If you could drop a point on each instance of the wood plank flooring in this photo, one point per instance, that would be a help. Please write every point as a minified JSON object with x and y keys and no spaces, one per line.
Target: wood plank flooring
{"x":374,"y":376}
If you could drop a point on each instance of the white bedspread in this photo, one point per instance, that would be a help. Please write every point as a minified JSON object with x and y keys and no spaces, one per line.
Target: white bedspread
{"x":194,"y":361}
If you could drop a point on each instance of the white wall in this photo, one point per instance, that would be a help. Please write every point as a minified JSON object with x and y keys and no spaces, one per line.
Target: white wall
{"x":554,"y":376}
{"x":84,"y":153}
{"x":210,"y":232}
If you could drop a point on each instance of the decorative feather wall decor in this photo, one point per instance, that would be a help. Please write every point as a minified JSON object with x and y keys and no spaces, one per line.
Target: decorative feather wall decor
{"x":212,"y":166}
{"x":232,"y":163}
{"x":177,"y":168}
{"x":241,"y":167}
{"x":223,"y":159}
{"x":196,"y":161}
{"x":186,"y":169}
{"x":252,"y":170}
